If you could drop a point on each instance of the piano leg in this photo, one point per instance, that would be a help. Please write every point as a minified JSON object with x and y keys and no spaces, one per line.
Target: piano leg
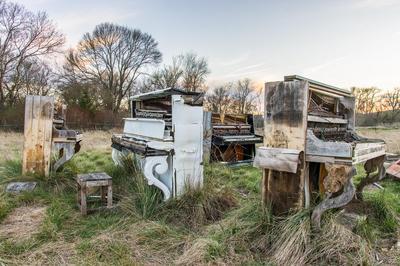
{"x":339,"y":176}
{"x":64,"y":152}
{"x":371,"y":166}
{"x":157,"y":165}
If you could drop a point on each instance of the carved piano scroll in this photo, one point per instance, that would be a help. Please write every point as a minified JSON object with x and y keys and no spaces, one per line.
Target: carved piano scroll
{"x":156,"y":165}
{"x":339,"y":177}
{"x":371,"y":166}
{"x":64,"y":151}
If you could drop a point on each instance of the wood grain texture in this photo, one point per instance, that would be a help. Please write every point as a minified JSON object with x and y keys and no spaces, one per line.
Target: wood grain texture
{"x":285,"y":127}
{"x":37,"y":134}
{"x":286,"y":114}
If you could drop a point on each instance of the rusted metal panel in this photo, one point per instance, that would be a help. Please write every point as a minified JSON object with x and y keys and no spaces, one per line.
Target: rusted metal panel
{"x":37,"y":134}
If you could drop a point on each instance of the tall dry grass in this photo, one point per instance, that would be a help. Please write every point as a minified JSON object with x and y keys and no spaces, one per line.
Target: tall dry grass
{"x":390,"y":136}
{"x":12,"y":143}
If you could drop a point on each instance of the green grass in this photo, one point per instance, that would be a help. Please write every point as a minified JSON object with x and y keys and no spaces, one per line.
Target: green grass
{"x":222,"y":223}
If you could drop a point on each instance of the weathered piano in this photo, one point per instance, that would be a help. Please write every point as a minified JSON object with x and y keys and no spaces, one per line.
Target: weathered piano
{"x":233,"y":138}
{"x":48,"y":144}
{"x":65,"y":142}
{"x":310,"y":145}
{"x":165,"y":134}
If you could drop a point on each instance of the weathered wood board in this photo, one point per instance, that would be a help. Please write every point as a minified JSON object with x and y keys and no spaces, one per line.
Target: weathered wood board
{"x":37,"y":134}
{"x":286,"y":114}
{"x":207,"y":136}
{"x":285,"y":127}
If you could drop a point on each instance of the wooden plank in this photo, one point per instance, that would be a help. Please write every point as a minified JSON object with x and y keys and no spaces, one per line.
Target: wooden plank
{"x":320,"y":159}
{"x":285,"y":124}
{"x":368,"y":156}
{"x":46,"y":130}
{"x":317,"y":147}
{"x":277,"y":159}
{"x":83,"y":203}
{"x":286,"y":114}
{"x":394,"y":169}
{"x":97,"y":183}
{"x":109,"y":194}
{"x":37,"y":134}
{"x":328,"y":120}
{"x":207,"y":136}
{"x":27,"y":132}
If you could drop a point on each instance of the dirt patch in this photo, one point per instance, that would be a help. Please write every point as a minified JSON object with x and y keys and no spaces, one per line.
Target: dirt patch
{"x":22,"y":223}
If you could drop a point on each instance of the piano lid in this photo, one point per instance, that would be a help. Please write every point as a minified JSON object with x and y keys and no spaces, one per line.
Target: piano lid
{"x":163,"y":93}
{"x":240,"y":139}
{"x":320,"y":86}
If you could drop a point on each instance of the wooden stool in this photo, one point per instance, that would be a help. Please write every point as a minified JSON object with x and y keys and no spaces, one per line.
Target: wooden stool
{"x":86,"y":181}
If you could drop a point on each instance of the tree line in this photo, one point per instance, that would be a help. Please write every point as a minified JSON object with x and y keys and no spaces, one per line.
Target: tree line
{"x":113,"y":62}
{"x":98,"y":75}
{"x":376,"y":106}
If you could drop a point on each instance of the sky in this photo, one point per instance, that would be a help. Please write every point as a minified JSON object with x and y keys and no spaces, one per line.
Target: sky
{"x":340,"y":42}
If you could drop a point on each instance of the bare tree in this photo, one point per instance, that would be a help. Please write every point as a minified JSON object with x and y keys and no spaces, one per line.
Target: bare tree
{"x":391,"y":101}
{"x":245,"y":97}
{"x":366,"y":99}
{"x":114,"y":57}
{"x":36,"y":78}
{"x":195,"y":70}
{"x":167,"y":77}
{"x":187,"y":71}
{"x":219,"y":100}
{"x":25,"y":37}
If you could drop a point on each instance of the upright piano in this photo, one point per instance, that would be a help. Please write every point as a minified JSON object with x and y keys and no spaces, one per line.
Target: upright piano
{"x":311,"y":147}
{"x":164,"y":134}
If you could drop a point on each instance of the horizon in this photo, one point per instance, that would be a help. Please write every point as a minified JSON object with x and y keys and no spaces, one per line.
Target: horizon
{"x":343,"y":43}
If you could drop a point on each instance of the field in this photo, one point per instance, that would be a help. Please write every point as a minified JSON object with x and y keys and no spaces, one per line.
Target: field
{"x":223,"y":223}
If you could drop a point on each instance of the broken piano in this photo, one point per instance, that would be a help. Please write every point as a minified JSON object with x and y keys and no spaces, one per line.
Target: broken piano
{"x":165,"y":133}
{"x":48,"y":144}
{"x":66,"y":142}
{"x":233,"y":138}
{"x":311,"y":147}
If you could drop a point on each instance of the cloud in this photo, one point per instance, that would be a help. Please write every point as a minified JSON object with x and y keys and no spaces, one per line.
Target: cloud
{"x":317,"y":68}
{"x":79,"y":17}
{"x":396,"y":34}
{"x":374,"y":3}
{"x":235,"y":61}
{"x":241,"y":69}
{"x":76,"y":23}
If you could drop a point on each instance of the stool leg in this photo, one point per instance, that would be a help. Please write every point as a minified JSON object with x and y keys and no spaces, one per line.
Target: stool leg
{"x":83,"y":200}
{"x":78,"y":196}
{"x":103,"y":194}
{"x":109,"y":194}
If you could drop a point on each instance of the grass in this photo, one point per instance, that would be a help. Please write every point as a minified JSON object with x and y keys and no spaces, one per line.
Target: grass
{"x":223,"y":223}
